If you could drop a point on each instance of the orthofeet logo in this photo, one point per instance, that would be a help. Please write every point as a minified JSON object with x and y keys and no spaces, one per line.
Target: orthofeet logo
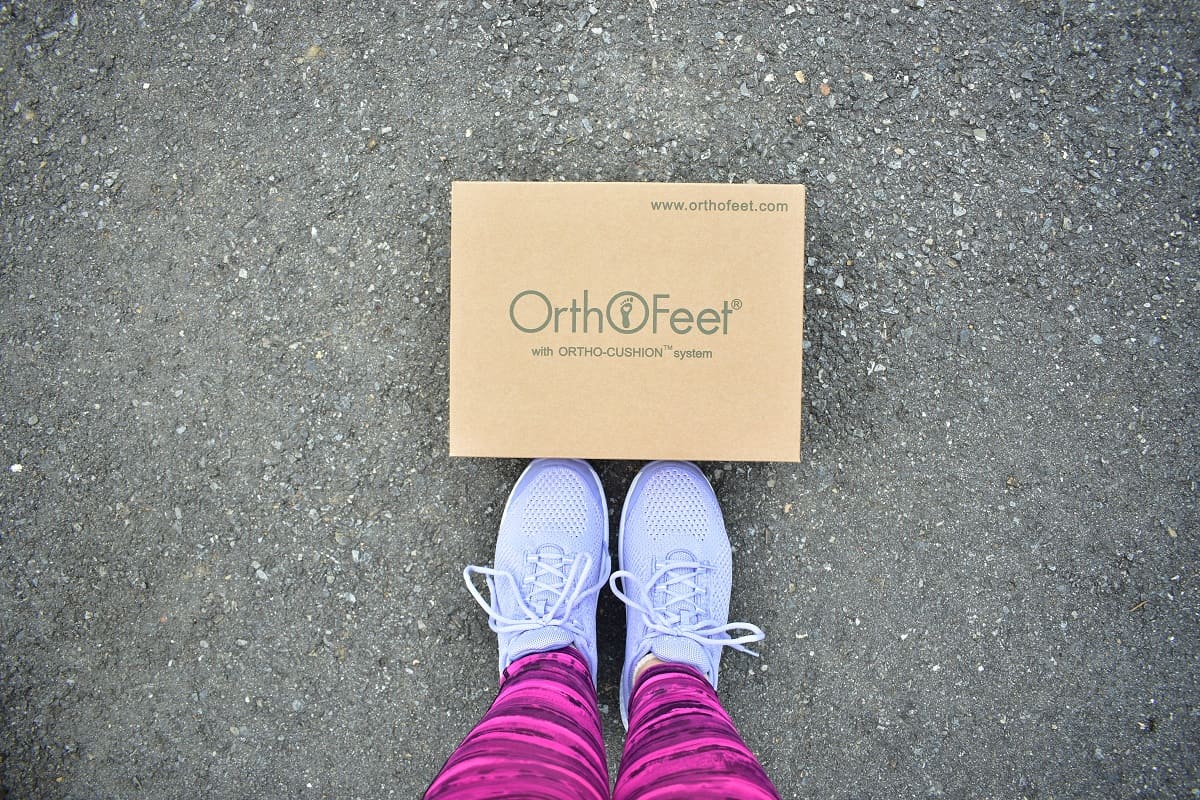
{"x":627,"y":312}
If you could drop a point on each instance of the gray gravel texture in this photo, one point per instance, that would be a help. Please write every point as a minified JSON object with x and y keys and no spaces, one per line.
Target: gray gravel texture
{"x":231,"y":534}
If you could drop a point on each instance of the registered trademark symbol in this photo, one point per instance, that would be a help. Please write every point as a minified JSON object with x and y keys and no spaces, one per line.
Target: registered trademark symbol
{"x":736,"y":304}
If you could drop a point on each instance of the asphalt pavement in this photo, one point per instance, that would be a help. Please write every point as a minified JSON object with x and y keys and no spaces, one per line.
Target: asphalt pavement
{"x":231,"y":536}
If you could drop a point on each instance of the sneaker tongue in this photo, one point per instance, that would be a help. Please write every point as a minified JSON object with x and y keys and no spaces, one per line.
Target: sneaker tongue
{"x":685,"y":605}
{"x":540,"y":600}
{"x":682,"y":649}
{"x":538,"y":640}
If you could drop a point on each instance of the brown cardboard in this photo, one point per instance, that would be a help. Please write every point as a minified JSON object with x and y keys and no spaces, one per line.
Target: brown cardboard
{"x":703,"y":363}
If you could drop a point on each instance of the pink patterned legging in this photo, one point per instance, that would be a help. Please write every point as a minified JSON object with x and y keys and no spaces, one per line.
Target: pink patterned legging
{"x":541,"y":739}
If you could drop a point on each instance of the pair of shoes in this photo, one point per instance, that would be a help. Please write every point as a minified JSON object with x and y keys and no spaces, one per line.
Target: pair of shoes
{"x":552,"y":561}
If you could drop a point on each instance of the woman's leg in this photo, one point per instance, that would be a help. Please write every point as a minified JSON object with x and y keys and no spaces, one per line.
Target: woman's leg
{"x":682,"y":743}
{"x":540,"y":739}
{"x":676,"y":576}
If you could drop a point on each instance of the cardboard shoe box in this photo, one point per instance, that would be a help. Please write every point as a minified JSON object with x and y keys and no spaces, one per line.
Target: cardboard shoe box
{"x":626,"y":320}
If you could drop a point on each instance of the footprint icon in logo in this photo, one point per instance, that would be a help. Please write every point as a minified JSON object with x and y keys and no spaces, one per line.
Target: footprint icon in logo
{"x":626,"y":310}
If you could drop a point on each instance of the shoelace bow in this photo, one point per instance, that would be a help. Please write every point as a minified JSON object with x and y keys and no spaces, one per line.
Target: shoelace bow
{"x":559,"y":577}
{"x":680,"y":614}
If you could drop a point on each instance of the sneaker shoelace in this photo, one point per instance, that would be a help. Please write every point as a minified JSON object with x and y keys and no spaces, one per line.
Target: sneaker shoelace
{"x":559,"y":585}
{"x":679,"y":613}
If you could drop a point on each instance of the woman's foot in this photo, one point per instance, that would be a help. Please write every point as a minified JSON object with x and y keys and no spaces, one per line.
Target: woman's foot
{"x":676,"y":572}
{"x":551,"y":562}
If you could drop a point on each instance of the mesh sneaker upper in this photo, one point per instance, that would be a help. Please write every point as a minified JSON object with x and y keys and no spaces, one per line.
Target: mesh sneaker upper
{"x":672,"y":509}
{"x":676,"y":574}
{"x":551,"y":561}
